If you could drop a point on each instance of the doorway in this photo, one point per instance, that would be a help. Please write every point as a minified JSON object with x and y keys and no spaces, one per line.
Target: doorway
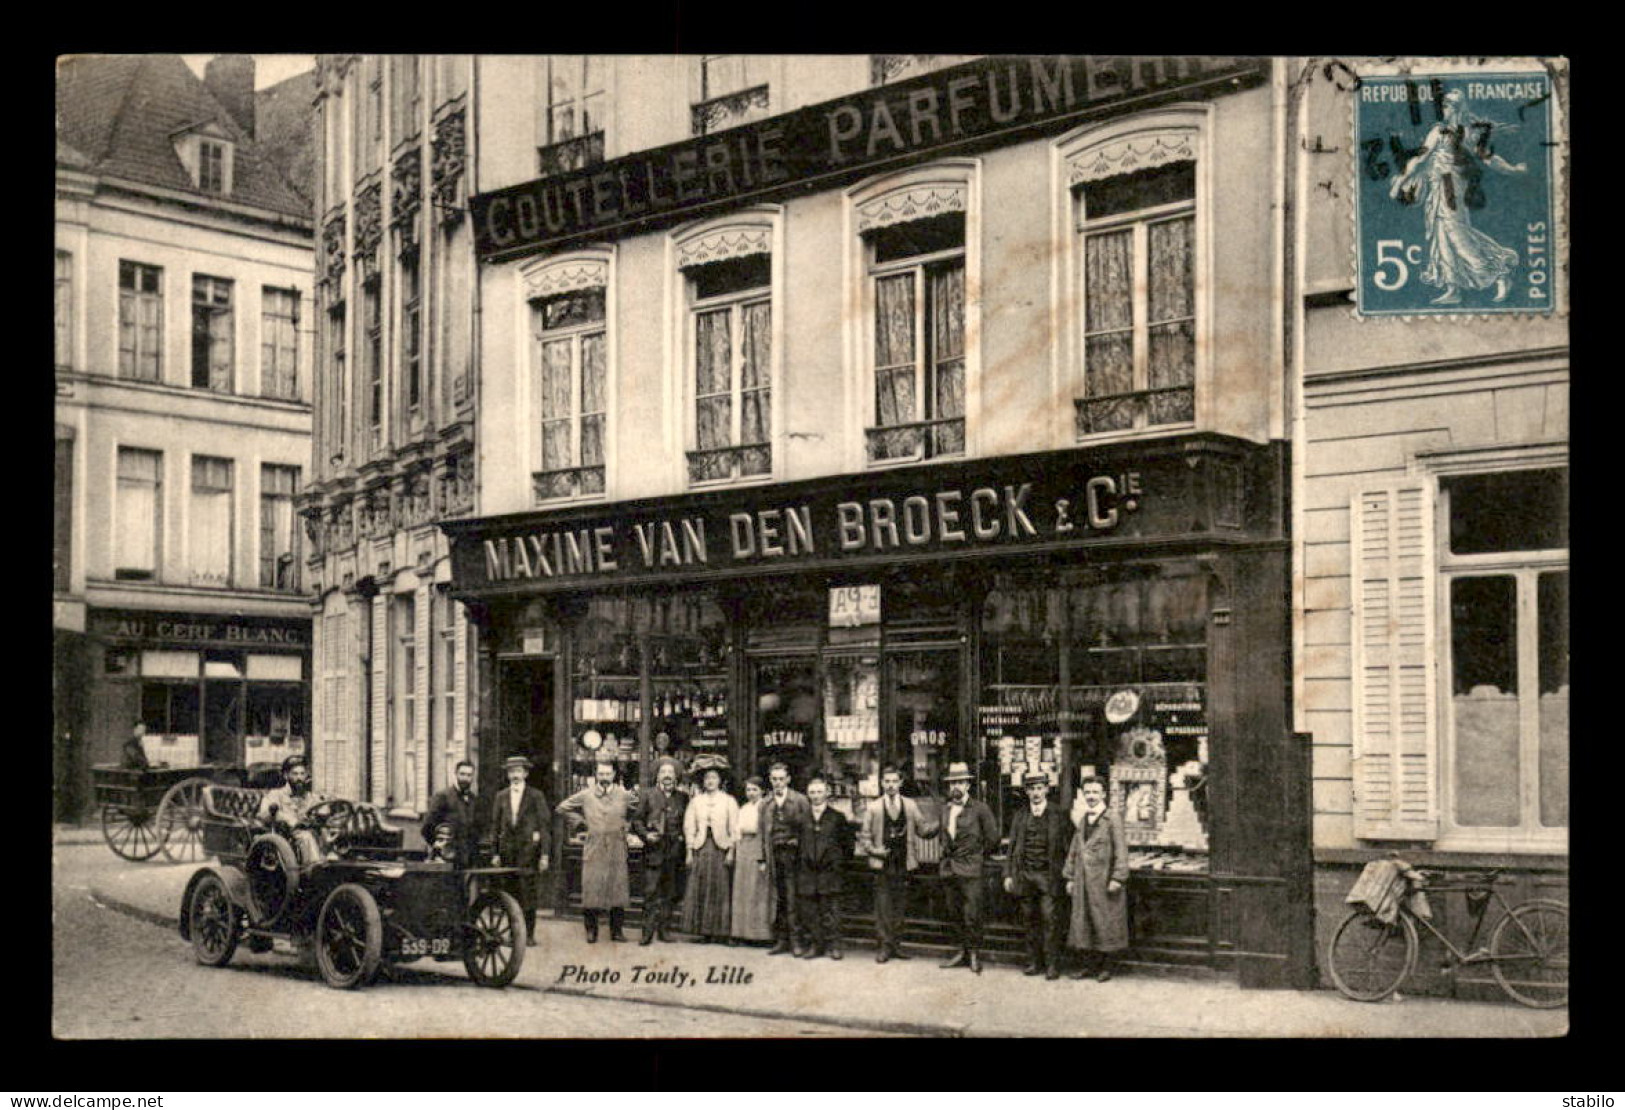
{"x":525,"y":720}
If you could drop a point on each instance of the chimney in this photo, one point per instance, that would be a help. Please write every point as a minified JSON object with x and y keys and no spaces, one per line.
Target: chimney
{"x":230,"y":77}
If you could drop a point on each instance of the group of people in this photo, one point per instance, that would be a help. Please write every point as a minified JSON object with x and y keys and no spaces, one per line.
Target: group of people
{"x":773,"y":868}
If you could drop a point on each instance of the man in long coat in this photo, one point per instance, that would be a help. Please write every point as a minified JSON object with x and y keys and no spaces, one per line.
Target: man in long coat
{"x":886,"y":837}
{"x":523,"y":827}
{"x":1096,"y":875}
{"x":826,"y":845}
{"x":658,"y":822}
{"x":785,"y":813}
{"x":457,"y":806}
{"x":1035,"y":872}
{"x":602,"y":807}
{"x":969,"y":833}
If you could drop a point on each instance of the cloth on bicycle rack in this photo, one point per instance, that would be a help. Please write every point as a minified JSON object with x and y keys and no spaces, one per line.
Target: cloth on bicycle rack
{"x":1379,"y":888}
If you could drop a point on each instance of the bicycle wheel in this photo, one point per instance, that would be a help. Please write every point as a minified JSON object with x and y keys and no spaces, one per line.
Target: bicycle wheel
{"x":1367,"y":959}
{"x":1530,"y":954}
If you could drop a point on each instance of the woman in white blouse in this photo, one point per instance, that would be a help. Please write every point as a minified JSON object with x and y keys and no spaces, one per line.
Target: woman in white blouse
{"x":753,"y":890}
{"x":711,"y":828}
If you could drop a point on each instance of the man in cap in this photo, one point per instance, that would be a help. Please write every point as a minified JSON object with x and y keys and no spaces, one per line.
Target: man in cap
{"x":826,"y":845}
{"x":658,"y":822}
{"x":457,"y":808}
{"x":1035,"y":872}
{"x":969,"y":834}
{"x":522,"y":824}
{"x":284,"y":807}
{"x":602,"y":807}
{"x":891,"y":826}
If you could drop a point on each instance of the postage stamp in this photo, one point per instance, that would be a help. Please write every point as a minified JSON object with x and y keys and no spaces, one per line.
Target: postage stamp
{"x":1454,"y":194}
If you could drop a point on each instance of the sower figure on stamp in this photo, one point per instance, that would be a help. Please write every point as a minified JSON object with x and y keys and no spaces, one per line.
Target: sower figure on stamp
{"x":658,"y":822}
{"x":602,"y":806}
{"x":969,"y":834}
{"x":826,"y":843}
{"x":785,"y":813}
{"x":886,"y":839}
{"x":1096,"y":872}
{"x":1035,"y":872}
{"x":458,"y":807}
{"x":522,"y":824}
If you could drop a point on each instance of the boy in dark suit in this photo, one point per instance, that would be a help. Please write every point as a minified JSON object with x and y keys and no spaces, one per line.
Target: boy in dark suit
{"x":658,"y":822}
{"x":1035,"y":872}
{"x":969,"y":833}
{"x":826,"y":842}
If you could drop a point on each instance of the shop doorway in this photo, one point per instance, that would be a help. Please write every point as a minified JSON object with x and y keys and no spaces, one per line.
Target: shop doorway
{"x":222,"y":722}
{"x":525,"y":718}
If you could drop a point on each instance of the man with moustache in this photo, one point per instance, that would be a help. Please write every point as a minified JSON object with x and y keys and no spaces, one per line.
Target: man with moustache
{"x":784,"y":817}
{"x":522,"y":824}
{"x":284,"y":807}
{"x":1035,"y":872}
{"x":825,"y":846}
{"x":602,"y":807}
{"x":658,"y":822}
{"x":457,"y":807}
{"x":886,"y":838}
{"x":969,"y":834}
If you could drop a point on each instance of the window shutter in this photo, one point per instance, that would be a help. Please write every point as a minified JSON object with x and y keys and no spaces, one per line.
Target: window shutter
{"x":1395,"y":751}
{"x":379,"y":656}
{"x":459,"y":679}
{"x":423,"y":648}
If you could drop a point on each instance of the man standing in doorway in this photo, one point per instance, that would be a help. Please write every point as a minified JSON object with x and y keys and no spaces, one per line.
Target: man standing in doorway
{"x":1035,"y":872}
{"x":457,"y":806}
{"x":969,"y":833}
{"x":785,"y":813}
{"x":658,"y":822}
{"x":886,"y":838}
{"x":522,"y":824}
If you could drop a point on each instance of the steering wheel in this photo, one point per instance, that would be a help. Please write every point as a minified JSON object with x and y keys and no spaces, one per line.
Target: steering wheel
{"x":333,"y":816}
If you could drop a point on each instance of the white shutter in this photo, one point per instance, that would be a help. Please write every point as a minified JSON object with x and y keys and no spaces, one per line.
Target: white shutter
{"x":423,"y":648}
{"x":459,"y":666}
{"x":1395,"y":755}
{"x":379,"y":656}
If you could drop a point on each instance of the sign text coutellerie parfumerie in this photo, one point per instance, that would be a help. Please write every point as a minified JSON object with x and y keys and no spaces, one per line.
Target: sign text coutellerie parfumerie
{"x":959,"y":108}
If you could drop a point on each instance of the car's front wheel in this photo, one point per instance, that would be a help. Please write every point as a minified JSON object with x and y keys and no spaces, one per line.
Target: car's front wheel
{"x":495,"y":947}
{"x":213,"y":922}
{"x":349,"y":937}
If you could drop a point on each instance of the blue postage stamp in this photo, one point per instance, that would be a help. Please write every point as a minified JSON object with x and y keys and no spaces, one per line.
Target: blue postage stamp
{"x":1454,"y":202}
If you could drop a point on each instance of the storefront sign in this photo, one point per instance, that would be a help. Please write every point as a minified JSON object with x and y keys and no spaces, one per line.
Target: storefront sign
{"x":188,"y":628}
{"x":854,"y":606}
{"x":959,"y":108}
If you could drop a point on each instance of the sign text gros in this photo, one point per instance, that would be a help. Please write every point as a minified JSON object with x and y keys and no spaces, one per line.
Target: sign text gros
{"x":983,"y":515}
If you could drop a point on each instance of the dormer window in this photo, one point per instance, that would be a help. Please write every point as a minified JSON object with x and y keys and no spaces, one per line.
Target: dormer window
{"x":206,"y":153}
{"x":211,"y":176}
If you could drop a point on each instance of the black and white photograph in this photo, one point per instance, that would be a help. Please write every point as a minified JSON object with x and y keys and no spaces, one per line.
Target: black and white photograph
{"x":715,"y":546}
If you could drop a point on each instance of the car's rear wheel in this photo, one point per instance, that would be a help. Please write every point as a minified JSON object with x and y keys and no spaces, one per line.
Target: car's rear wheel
{"x":495,"y":946}
{"x":349,"y":937}
{"x":213,"y":922}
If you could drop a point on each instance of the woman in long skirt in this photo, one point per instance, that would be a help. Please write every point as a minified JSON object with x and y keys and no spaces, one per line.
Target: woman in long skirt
{"x":710,"y":826}
{"x":753,"y":890}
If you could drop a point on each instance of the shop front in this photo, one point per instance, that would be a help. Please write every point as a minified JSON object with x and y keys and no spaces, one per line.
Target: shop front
{"x":210,"y":688}
{"x":1117,"y":611}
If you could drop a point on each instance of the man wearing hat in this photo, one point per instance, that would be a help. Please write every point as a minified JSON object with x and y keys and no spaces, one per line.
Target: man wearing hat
{"x":969,"y":833}
{"x":1035,"y":872}
{"x":284,"y":807}
{"x":522,"y":824}
{"x":658,"y":822}
{"x":602,"y":807}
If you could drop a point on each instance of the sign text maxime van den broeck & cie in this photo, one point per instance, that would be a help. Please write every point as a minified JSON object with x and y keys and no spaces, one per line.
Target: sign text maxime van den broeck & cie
{"x":1455,"y":194}
{"x":952,"y":109}
{"x":818,"y":528}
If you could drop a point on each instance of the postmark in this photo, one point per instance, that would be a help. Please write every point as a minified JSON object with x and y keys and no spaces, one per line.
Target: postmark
{"x":1454,"y":209}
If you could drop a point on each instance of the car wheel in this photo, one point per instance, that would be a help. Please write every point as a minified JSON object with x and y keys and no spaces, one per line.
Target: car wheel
{"x":213,"y":922}
{"x":273,"y":876}
{"x":495,"y":945}
{"x":349,"y":937}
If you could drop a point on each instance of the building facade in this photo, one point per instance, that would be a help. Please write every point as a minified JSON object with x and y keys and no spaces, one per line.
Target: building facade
{"x":394,"y":436}
{"x":1431,"y":598}
{"x":900,"y":409}
{"x":183,"y":417}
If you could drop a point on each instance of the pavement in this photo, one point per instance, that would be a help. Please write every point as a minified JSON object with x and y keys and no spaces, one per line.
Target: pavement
{"x":913,"y":996}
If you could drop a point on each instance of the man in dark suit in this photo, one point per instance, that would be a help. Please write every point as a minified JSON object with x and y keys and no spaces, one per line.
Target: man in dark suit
{"x":457,"y":806}
{"x":522,"y":823}
{"x":658,"y":822}
{"x":1035,"y":872}
{"x":969,"y":833}
{"x":784,"y":819}
{"x":826,"y":844}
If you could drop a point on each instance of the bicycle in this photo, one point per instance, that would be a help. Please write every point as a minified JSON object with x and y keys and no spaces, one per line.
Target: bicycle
{"x":1528,"y":948}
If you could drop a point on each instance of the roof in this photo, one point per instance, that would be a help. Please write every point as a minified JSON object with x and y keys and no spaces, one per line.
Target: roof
{"x":283,"y":122}
{"x":122,"y":113}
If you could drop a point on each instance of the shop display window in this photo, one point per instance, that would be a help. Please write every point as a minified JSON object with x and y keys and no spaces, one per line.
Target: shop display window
{"x":276,"y":722}
{"x":1102,"y":671}
{"x":850,"y":753}
{"x":787,"y":711}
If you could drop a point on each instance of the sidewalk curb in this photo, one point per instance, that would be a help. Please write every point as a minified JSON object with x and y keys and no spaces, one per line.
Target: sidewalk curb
{"x":163,"y":921}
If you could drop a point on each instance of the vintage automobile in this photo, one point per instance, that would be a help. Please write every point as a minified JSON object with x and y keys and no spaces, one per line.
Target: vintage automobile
{"x":368,"y":902}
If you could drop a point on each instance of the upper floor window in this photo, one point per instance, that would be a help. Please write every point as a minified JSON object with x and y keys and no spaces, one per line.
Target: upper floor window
{"x":407,"y":98}
{"x":210,"y":521}
{"x":733,"y":89}
{"x":730,"y":327}
{"x":451,"y":76}
{"x":412,"y":333}
{"x":338,"y":423}
{"x":140,"y":321}
{"x":212,"y":334}
{"x":368,"y":128}
{"x":212,"y":158}
{"x":279,"y":342}
{"x":574,"y":116}
{"x":64,"y":310}
{"x":569,"y":354}
{"x":1138,"y":257}
{"x":887,"y":68}
{"x":62,"y":515}
{"x":374,"y":353}
{"x":138,"y":513}
{"x":279,"y":535}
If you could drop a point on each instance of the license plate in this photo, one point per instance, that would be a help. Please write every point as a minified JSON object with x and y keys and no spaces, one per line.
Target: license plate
{"x":426,"y":946}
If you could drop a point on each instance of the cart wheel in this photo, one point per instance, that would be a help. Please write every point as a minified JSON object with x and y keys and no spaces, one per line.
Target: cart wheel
{"x":349,"y":937}
{"x":495,"y":946}
{"x":1368,"y":960}
{"x":180,"y":821}
{"x":215,"y":927}
{"x":1530,"y":954}
{"x":273,"y":876}
{"x":131,"y":831}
